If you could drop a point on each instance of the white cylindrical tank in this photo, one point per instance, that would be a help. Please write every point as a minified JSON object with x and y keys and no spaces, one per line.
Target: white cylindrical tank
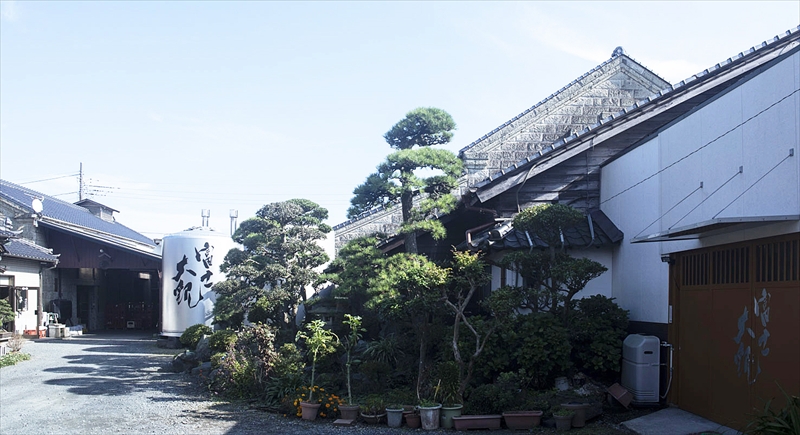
{"x":190,"y":264}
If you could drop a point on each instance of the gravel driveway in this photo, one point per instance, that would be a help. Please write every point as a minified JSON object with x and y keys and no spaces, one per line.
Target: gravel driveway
{"x":118,"y":383}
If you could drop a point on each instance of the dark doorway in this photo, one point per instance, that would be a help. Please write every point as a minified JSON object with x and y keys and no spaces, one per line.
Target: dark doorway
{"x":85,"y":293}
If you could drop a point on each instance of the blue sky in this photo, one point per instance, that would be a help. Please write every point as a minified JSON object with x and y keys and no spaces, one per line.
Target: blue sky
{"x":173,"y":107}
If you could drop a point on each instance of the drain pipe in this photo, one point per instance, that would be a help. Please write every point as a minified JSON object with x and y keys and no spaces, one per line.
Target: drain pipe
{"x":468,"y":233}
{"x":669,"y":383}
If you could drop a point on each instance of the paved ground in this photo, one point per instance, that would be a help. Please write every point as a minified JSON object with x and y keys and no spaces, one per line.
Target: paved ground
{"x":673,"y":421}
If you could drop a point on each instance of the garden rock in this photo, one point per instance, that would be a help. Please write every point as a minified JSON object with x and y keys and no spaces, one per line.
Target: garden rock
{"x":184,"y":362}
{"x":204,"y":367}
{"x":203,"y":350}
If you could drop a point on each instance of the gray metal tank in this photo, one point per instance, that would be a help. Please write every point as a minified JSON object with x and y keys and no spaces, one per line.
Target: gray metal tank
{"x":190,"y":264}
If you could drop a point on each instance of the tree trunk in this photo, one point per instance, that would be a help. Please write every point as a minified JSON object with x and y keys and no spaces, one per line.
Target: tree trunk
{"x":410,"y":238}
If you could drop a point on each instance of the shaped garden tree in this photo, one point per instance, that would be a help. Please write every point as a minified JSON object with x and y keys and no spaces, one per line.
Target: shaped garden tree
{"x":269,"y":276}
{"x":553,"y":277}
{"x":398,"y":178}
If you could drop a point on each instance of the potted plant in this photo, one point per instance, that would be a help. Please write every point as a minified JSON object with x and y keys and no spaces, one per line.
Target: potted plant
{"x":350,"y":410}
{"x":394,"y":415}
{"x":429,"y":413}
{"x":522,"y":420}
{"x":319,"y":341}
{"x":579,"y":420}
{"x":449,"y":383}
{"x":563,"y":418}
{"x":374,"y":409}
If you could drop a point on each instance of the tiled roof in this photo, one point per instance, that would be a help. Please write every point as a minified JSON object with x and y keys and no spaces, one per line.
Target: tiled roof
{"x":62,"y":211}
{"x":599,"y":232}
{"x":577,"y":82}
{"x":635,"y":108}
{"x":21,"y":248}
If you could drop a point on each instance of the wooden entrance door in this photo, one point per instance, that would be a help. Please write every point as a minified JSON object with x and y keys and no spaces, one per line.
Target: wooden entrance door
{"x":737,"y":309}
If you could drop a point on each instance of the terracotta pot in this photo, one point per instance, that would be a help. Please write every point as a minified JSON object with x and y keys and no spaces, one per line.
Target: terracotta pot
{"x":447,"y":414}
{"x":579,"y":420}
{"x":430,"y":416}
{"x":349,"y":412}
{"x":467,"y":422}
{"x":309,"y":410}
{"x":563,"y":422}
{"x":516,"y":420}
{"x":413,"y":420}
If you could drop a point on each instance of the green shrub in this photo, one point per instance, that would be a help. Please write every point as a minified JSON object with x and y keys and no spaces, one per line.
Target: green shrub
{"x":245,"y":369}
{"x":6,"y":312}
{"x":536,"y":343}
{"x":221,"y":340}
{"x":193,"y":334}
{"x":598,"y":328}
{"x":12,"y":358}
{"x":489,"y":399}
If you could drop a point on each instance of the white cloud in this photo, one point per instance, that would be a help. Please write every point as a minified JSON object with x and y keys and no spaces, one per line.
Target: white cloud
{"x":9,"y":10}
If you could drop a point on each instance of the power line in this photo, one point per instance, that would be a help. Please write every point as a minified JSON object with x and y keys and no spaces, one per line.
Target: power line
{"x":703,"y":146}
{"x":50,"y":179}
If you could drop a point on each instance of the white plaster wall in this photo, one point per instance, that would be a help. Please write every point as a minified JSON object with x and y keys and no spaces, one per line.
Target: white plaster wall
{"x":639,"y":280}
{"x":26,"y":274}
{"x":752,"y":126}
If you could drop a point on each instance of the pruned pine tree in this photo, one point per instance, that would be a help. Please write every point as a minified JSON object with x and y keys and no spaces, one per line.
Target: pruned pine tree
{"x":400,"y":176}
{"x":270,"y":274}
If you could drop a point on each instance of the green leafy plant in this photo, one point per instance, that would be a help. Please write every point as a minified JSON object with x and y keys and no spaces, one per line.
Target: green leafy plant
{"x":563,"y":412}
{"x":192,"y":335}
{"x":448,"y":373}
{"x":245,"y":368}
{"x":221,"y":340}
{"x":349,"y":343}
{"x":489,"y":399}
{"x":771,"y":421}
{"x":374,"y":404}
{"x":320,"y":341}
{"x":6,"y":312}
{"x":597,"y":330}
{"x":12,"y":358}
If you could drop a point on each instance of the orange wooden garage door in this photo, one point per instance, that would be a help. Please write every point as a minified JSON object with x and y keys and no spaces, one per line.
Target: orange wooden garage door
{"x":737,"y":314}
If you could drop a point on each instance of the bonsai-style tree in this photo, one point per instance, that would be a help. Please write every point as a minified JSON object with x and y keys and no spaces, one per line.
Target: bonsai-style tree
{"x":320,"y":342}
{"x":398,"y":177}
{"x":467,"y":276}
{"x":276,"y":265}
{"x":408,"y":289}
{"x":6,"y":313}
{"x":555,"y":277}
{"x":356,"y":265}
{"x":349,"y":343}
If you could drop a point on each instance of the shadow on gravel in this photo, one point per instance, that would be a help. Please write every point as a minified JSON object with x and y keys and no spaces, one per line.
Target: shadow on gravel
{"x":119,"y":365}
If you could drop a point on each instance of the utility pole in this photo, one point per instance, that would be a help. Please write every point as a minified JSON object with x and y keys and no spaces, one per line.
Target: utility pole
{"x":81,"y":186}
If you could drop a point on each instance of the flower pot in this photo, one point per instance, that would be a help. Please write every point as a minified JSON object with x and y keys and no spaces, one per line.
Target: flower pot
{"x":579,"y":420}
{"x":563,"y":422}
{"x":394,"y":417}
{"x":517,"y":420}
{"x":447,"y":414}
{"x":430,"y":416}
{"x":413,"y":420}
{"x":467,"y":422}
{"x":349,"y":412}
{"x":372,"y":418}
{"x":309,"y":410}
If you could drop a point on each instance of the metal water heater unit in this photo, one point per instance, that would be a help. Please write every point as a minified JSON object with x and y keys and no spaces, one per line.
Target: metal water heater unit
{"x":641,"y":368}
{"x":190,"y":264}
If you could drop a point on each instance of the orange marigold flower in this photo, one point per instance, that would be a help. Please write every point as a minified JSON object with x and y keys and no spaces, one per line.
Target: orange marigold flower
{"x":327,"y":405}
